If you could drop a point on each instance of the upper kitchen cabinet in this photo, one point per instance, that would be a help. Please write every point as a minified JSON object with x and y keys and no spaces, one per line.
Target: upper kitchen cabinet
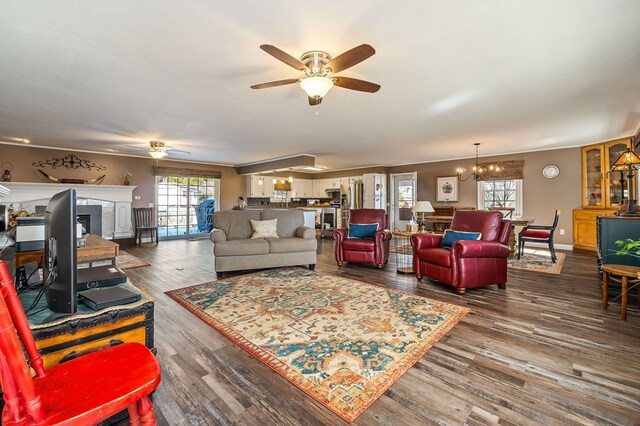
{"x":602,"y":189}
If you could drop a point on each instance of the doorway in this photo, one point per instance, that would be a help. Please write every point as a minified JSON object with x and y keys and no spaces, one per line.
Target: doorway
{"x":403,"y":198}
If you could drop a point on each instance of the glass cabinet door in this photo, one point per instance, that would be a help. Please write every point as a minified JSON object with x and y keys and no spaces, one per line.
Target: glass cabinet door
{"x":592,"y":175}
{"x":616,"y":182}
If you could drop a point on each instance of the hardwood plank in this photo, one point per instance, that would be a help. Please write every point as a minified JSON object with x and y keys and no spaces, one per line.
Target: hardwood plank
{"x":540,"y":352}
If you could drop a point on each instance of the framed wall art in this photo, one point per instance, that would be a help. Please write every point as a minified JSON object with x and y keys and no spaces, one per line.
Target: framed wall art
{"x":447,"y":188}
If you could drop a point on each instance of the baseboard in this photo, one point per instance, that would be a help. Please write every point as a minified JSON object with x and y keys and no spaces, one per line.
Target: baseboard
{"x":567,"y":247}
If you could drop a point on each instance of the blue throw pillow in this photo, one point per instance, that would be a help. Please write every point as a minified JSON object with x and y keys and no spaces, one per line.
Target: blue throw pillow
{"x":362,"y":230}
{"x":451,"y":236}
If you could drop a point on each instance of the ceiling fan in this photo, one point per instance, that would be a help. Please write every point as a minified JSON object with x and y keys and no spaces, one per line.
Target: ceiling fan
{"x":159,"y":149}
{"x":318,"y":67}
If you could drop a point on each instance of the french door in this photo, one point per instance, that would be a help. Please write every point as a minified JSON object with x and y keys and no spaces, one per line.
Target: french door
{"x":185,"y":205}
{"x":403,"y":199}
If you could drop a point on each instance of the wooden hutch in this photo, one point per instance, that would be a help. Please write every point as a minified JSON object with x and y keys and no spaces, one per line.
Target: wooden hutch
{"x":602,"y":191}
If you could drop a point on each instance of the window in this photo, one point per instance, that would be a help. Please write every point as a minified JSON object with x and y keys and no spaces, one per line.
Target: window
{"x":500,"y":193}
{"x":183,"y":204}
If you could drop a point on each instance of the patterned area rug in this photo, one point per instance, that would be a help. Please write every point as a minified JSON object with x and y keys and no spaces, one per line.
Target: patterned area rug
{"x":538,"y":261}
{"x":343,"y":342}
{"x":126,"y":260}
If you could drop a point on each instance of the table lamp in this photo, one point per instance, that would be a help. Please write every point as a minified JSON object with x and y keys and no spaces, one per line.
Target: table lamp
{"x":630,"y":161}
{"x":422,"y":207}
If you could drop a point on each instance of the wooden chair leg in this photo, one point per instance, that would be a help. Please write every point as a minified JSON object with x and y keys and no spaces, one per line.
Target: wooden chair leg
{"x":134,"y":415}
{"x":146,"y":412}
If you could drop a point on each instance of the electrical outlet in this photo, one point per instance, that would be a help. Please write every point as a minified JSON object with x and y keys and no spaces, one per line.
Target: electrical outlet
{"x":561,"y":231}
{"x":151,"y":204}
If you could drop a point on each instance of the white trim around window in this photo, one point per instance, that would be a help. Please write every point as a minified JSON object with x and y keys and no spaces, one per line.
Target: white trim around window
{"x":518,"y":212}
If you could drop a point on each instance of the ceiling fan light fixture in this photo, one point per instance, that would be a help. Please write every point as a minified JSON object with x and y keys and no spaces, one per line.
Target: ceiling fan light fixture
{"x":157,"y":154}
{"x":316,"y":87}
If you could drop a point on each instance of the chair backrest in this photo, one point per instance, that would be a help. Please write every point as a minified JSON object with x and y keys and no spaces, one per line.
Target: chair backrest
{"x":17,"y":383}
{"x":489,"y":223}
{"x":556,"y":218}
{"x":143,"y":217}
{"x":378,"y":216}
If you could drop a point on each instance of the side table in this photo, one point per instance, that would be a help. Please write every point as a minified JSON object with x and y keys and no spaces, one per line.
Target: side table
{"x":404,"y":252}
{"x":626,"y":272}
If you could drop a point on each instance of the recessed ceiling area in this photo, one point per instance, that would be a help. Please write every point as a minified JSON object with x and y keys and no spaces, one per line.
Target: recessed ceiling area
{"x":514,"y":76}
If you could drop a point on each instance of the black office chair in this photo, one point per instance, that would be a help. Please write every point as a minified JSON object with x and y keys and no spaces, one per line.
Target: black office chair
{"x":539,"y":234}
{"x":144,"y":221}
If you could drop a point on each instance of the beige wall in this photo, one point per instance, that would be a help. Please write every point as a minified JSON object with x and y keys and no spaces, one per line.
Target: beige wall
{"x":541,"y":196}
{"x":22,"y":157}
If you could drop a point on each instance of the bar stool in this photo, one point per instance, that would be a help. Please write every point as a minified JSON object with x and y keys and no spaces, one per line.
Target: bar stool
{"x":626,"y":272}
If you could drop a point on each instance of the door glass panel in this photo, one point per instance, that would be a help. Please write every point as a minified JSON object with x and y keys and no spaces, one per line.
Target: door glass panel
{"x":616,"y":178}
{"x":404,"y":200}
{"x":593,"y":178}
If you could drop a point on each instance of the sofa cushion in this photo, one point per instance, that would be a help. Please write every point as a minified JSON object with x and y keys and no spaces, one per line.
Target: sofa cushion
{"x":451,"y":236}
{"x":236,"y":223}
{"x":439,"y":256}
{"x":358,"y":244}
{"x":291,"y":245}
{"x":362,"y":230}
{"x":264,"y":228}
{"x":243,"y":247}
{"x":288,"y":220}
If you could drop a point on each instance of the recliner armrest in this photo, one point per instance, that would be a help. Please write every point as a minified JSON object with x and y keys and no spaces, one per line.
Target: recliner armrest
{"x":479,"y":248}
{"x":420,"y":241}
{"x":217,"y":236}
{"x":339,"y":235}
{"x":383,"y":235}
{"x":306,"y":232}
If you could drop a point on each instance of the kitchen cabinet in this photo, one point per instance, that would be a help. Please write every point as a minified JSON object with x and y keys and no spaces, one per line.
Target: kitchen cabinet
{"x":319,"y":186}
{"x":256,"y":190}
{"x":302,"y":188}
{"x":374,"y":191}
{"x":602,"y":191}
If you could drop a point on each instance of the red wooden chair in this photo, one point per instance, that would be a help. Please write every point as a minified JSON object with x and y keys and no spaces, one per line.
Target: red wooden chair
{"x":83,"y":391}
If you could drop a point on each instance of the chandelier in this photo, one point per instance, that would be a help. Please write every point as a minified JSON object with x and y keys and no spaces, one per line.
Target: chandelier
{"x":476,"y":171}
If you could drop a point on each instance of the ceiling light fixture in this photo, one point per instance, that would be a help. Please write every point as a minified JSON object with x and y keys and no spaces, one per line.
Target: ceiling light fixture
{"x":158,"y":154}
{"x":316,"y":87}
{"x":260,"y":181}
{"x":477,"y":171}
{"x":290,"y":176}
{"x":274,"y":178}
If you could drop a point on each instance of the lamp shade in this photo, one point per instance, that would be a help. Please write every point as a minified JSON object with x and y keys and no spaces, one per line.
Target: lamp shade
{"x":422,"y":207}
{"x":316,"y":87}
{"x":628,"y":158}
{"x":158,"y":154}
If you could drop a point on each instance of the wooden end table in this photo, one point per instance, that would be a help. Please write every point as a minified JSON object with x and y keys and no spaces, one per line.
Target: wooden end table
{"x":624,"y":271}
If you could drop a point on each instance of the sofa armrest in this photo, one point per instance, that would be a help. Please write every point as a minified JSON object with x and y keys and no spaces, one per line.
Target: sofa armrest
{"x":475,"y":248}
{"x":420,"y":241}
{"x":217,"y":236}
{"x":306,"y":232}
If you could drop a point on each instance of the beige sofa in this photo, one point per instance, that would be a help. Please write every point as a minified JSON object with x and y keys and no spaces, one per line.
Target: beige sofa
{"x":235,"y":250}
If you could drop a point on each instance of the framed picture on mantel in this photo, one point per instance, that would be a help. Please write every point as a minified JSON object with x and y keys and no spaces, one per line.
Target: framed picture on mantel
{"x":447,"y":188}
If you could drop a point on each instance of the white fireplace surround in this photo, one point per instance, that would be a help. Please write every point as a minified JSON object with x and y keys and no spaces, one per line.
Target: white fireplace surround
{"x":115,"y":201}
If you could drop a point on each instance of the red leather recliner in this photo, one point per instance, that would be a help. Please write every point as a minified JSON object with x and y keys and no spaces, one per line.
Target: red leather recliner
{"x":468,"y":263}
{"x":364,"y":250}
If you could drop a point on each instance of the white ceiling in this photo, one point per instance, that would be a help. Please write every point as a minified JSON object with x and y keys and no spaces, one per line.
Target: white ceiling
{"x":513,"y":75}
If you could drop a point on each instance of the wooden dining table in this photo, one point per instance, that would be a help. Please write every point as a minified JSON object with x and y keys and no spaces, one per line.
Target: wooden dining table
{"x":512,"y":234}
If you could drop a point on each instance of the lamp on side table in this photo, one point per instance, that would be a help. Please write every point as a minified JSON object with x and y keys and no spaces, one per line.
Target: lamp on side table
{"x":421,"y":208}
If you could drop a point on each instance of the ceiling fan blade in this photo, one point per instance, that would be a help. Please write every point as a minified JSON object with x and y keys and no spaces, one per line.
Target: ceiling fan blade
{"x":350,"y":58}
{"x":314,"y":101}
{"x":176,"y":151}
{"x":355,"y":84}
{"x":284,"y":57}
{"x":275,"y":83}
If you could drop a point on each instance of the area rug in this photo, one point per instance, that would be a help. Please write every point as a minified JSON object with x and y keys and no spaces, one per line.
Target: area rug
{"x":343,"y":342}
{"x":126,"y":260}
{"x":538,"y":261}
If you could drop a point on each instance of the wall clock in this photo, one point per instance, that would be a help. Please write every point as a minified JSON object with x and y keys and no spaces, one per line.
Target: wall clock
{"x":550,"y":171}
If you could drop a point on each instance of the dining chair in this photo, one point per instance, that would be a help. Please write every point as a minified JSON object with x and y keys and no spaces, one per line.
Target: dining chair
{"x":85,"y":390}
{"x":144,"y":221}
{"x":539,"y":234}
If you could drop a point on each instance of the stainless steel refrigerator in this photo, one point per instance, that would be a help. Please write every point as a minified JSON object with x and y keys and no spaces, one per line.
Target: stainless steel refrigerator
{"x":351,"y":199}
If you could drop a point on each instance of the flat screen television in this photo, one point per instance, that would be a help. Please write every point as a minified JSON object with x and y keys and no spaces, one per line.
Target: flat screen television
{"x":60,"y":258}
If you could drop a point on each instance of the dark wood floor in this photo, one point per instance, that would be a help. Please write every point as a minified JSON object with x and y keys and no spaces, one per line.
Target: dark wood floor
{"x":541,"y":352}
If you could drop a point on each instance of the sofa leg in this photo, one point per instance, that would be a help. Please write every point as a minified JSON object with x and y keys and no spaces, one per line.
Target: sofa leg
{"x":502,"y":286}
{"x":312,"y":267}
{"x":461,"y":290}
{"x":220,"y":275}
{"x":380,"y":265}
{"x":339,"y":264}
{"x":418,"y":276}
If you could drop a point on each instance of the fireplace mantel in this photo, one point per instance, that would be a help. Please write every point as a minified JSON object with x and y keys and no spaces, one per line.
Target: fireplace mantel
{"x":29,"y":191}
{"x":116,"y":220}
